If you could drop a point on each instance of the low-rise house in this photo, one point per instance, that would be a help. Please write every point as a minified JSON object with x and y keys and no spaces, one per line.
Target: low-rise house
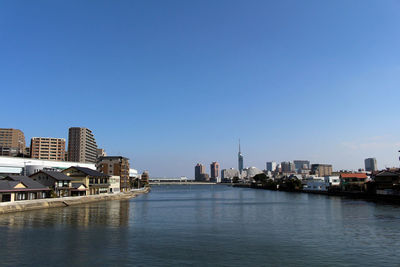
{"x":57,"y":181}
{"x":14,"y":188}
{"x":78,"y":189}
{"x":387,"y":182}
{"x":96,"y":182}
{"x":353,"y":182}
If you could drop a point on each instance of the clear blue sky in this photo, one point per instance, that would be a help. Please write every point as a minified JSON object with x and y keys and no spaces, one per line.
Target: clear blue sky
{"x":172,"y":83}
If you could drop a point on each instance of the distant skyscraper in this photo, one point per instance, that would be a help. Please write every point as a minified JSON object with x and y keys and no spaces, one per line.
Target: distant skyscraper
{"x":214,"y":170}
{"x":301,"y":164}
{"x":199,"y":170}
{"x":82,"y":146}
{"x":271,"y":166}
{"x":288,"y":166}
{"x":371,"y":165}
{"x":240,"y":159}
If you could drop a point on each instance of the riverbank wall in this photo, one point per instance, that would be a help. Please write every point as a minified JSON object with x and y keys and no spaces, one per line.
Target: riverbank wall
{"x":8,"y":207}
{"x":390,"y":199}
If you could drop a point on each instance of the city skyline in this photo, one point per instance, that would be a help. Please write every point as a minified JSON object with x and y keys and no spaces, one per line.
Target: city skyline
{"x":294,"y":80}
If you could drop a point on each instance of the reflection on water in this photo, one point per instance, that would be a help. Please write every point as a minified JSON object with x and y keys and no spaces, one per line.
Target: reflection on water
{"x":111,"y":214}
{"x":206,"y":225}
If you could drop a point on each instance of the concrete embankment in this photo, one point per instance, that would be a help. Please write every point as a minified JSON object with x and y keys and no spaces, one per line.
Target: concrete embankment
{"x":7,"y":207}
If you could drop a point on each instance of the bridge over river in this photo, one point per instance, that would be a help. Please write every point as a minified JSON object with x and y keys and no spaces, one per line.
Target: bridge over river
{"x":176,"y":181}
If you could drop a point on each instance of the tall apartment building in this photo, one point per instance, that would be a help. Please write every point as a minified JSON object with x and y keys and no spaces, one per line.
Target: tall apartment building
{"x":118,"y":166}
{"x":12,"y":142}
{"x":214,"y":170}
{"x":371,"y":164}
{"x":199,"y":170}
{"x":48,"y":148}
{"x":82,"y":146}
{"x":321,"y":169}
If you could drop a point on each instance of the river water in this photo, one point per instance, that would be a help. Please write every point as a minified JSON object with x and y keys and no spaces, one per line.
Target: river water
{"x":206,"y":225}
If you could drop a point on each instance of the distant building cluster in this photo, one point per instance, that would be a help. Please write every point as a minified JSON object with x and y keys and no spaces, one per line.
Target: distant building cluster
{"x":313,"y":175}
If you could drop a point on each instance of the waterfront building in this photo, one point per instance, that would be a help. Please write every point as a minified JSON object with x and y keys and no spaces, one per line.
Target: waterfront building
{"x":57,"y":181}
{"x":48,"y":148}
{"x":15,"y":188}
{"x":199,"y":170}
{"x":134,"y":178}
{"x":321,"y":169}
{"x":116,"y":165}
{"x":271,"y":166}
{"x":240,"y":160}
{"x":82,"y":145}
{"x":387,"y":182}
{"x":78,"y":189}
{"x":214,"y":171}
{"x":353,"y":182}
{"x":12,"y":142}
{"x":115,"y":181}
{"x":96,"y":182}
{"x":371,"y":165}
{"x":145,"y":178}
{"x":332,"y":180}
{"x":288,"y":166}
{"x":301,"y":165}
{"x":228,"y":174}
{"x":315,"y":184}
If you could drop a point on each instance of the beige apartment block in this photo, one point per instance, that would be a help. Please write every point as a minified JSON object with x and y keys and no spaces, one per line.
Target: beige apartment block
{"x":48,"y":148}
{"x":12,"y":142}
{"x":82,"y":146}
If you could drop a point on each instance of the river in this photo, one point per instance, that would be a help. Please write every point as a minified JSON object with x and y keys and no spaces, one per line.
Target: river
{"x":206,"y":225}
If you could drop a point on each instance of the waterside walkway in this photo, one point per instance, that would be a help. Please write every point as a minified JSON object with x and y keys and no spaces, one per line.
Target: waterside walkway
{"x":7,"y":207}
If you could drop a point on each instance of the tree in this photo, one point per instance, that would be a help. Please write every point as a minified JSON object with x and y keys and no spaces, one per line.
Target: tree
{"x":261,"y":178}
{"x":235,"y":180}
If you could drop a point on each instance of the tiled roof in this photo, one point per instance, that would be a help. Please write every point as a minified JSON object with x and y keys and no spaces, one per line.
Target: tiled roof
{"x":353,"y":175}
{"x":387,"y":173}
{"x":77,"y":185}
{"x":29,"y":182}
{"x":59,"y":176}
{"x":6,"y":185}
{"x":90,"y":172}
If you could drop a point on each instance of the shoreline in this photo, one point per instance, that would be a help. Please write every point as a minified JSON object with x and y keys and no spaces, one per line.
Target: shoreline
{"x":384,"y":199}
{"x":26,"y":205}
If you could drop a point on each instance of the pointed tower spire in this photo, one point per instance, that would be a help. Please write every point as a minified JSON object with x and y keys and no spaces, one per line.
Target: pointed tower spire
{"x":240,"y":160}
